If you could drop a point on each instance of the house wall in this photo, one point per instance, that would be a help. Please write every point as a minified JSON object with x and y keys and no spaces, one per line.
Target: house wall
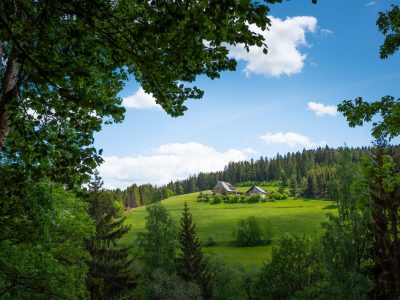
{"x":255,"y":191}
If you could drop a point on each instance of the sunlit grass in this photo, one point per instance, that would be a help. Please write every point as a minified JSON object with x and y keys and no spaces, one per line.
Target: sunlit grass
{"x":301,"y":217}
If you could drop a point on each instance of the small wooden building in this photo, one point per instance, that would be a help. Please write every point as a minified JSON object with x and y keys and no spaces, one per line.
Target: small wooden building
{"x":256,"y":190}
{"x":223,"y":186}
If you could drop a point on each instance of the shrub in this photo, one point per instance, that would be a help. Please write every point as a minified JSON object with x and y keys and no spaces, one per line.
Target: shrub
{"x":284,"y":196}
{"x":243,"y":198}
{"x":263,"y":199}
{"x":276,"y":195}
{"x":248,"y":232}
{"x":255,"y":198}
{"x":233,"y":199}
{"x":216,"y":199}
{"x":210,"y":241}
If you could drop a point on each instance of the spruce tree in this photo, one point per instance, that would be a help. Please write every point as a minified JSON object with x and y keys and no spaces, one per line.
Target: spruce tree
{"x":110,"y":274}
{"x":293,"y":185}
{"x":191,"y":265}
{"x":312,"y":187}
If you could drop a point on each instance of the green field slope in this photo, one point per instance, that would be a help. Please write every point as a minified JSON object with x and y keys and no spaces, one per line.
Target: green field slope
{"x":292,"y":216}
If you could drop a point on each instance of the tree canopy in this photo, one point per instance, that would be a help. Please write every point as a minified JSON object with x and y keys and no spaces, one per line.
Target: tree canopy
{"x":64,"y":62}
{"x":358,"y":111}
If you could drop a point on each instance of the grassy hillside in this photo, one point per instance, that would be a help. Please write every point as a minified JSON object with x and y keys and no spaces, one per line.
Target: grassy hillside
{"x":293,"y":216}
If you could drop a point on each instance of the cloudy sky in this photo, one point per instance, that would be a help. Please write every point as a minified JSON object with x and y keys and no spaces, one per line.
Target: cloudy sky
{"x":319,"y":55}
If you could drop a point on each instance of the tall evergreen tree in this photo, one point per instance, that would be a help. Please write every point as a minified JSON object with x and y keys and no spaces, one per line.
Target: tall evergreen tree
{"x":381,"y":187}
{"x":110,"y":275}
{"x":311,"y":186}
{"x":190,"y":262}
{"x":293,"y":185}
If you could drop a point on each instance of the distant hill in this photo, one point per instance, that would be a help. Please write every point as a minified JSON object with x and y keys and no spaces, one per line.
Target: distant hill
{"x":311,"y":173}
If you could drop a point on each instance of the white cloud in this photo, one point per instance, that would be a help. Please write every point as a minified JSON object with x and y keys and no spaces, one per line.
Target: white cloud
{"x":321,"y":109}
{"x":140,"y":100}
{"x":370,"y":3}
{"x":283,"y":41}
{"x":167,"y":162}
{"x":291,"y":139}
{"x":250,"y":151}
{"x":326,"y":32}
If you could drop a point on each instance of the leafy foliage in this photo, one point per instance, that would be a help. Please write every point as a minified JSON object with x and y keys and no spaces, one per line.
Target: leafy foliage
{"x":250,"y":233}
{"x":216,"y":199}
{"x":358,"y":111}
{"x":168,"y":286}
{"x":43,"y":251}
{"x":65,"y":62}
{"x":389,"y":24}
{"x":380,"y":202}
{"x":293,"y":267}
{"x":158,"y":243}
{"x":231,"y":281}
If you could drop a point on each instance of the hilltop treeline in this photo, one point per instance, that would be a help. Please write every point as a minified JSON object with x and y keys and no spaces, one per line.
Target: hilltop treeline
{"x":139,"y":195}
{"x":309,"y":173}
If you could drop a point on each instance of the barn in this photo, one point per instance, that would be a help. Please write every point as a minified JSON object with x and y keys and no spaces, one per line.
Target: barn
{"x":223,"y":186}
{"x":256,"y":190}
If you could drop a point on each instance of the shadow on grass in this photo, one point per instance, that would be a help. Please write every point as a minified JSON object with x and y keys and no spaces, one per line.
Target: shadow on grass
{"x":332,"y":206}
{"x":236,"y":244}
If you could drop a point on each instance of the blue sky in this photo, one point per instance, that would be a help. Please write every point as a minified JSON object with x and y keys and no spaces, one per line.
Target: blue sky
{"x":283,"y":102}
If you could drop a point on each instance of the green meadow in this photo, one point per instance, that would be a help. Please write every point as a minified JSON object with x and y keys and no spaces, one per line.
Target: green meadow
{"x":300,"y":217}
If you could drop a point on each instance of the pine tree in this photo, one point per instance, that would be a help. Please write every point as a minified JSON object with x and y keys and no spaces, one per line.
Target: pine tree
{"x":311,"y":187}
{"x":293,"y":185}
{"x":110,"y":274}
{"x":190,"y":262}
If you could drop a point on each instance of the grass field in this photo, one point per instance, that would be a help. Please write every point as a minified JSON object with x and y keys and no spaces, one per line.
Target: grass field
{"x":293,"y":216}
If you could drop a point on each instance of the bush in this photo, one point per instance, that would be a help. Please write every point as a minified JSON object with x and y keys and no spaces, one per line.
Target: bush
{"x":248,"y":232}
{"x":263,"y":199}
{"x":284,"y":196}
{"x":281,"y":189}
{"x":276,"y":196}
{"x":199,"y":198}
{"x":210,"y":241}
{"x":243,"y":198}
{"x":233,"y":199}
{"x":255,"y":198}
{"x":216,"y":199}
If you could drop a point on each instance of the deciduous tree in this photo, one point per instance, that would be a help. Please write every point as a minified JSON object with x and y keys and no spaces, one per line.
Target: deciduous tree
{"x":64,"y":62}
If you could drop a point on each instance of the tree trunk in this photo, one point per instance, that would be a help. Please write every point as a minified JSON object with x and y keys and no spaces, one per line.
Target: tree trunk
{"x":9,"y":93}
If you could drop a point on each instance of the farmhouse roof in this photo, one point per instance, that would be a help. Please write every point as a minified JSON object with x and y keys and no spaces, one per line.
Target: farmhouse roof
{"x":226,"y":186}
{"x":257,"y":188}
